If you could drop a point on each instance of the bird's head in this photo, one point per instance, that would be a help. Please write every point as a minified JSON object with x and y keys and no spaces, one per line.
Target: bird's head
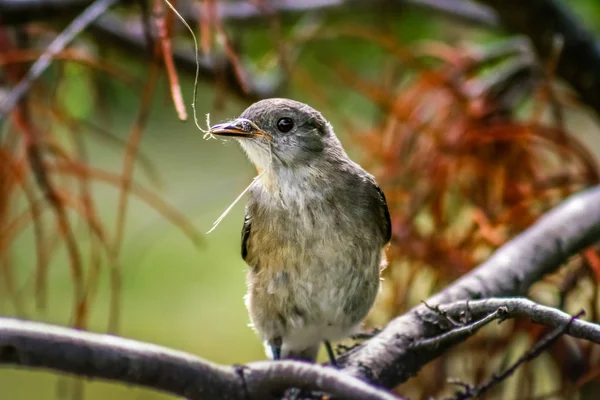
{"x":282,"y":133}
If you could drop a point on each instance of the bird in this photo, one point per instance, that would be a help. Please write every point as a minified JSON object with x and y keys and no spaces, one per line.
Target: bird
{"x":315,"y":231}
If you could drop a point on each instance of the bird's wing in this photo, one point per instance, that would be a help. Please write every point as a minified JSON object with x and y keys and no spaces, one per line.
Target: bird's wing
{"x":246,"y":233}
{"x":387,"y":228}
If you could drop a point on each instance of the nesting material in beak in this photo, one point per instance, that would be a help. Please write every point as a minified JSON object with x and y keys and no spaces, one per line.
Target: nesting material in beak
{"x":239,"y":128}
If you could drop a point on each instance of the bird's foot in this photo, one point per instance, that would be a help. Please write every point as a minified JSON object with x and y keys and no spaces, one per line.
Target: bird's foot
{"x":274,"y":346}
{"x":331,"y":354}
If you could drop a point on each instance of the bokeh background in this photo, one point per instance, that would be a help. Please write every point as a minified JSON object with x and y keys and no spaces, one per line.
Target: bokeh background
{"x":189,"y":296}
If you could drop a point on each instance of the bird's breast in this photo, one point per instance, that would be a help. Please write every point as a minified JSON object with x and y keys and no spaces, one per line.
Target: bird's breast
{"x":314,"y":260}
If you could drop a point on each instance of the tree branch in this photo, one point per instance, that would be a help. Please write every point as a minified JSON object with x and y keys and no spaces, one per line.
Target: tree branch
{"x":466,"y":11}
{"x":37,"y":345}
{"x":388,"y":358}
{"x":542,"y":21}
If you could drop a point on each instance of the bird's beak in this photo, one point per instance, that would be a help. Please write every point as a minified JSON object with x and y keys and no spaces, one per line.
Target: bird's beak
{"x":239,"y":128}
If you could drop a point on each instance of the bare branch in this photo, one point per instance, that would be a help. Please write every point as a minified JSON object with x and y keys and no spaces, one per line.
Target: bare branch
{"x":95,"y":10}
{"x":388,"y":359}
{"x":92,"y":355}
{"x":545,"y":20}
{"x":525,"y":308}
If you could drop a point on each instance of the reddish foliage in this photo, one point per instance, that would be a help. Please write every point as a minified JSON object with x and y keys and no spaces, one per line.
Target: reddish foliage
{"x":463,"y":174}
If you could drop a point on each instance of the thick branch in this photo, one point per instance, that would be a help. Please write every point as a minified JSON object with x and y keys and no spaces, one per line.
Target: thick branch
{"x":37,"y":345}
{"x":542,"y":21}
{"x":388,"y":358}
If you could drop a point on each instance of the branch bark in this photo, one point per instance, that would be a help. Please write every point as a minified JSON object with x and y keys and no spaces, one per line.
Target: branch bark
{"x":542,"y":21}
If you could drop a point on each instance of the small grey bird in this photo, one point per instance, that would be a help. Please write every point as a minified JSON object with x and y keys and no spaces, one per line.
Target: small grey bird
{"x":315,"y":230}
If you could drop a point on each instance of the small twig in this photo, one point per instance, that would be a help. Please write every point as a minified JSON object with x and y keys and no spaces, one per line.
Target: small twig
{"x":470,"y":392}
{"x":458,"y":333}
{"x":91,"y":13}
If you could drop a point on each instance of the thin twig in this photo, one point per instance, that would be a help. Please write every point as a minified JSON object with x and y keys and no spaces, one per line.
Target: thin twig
{"x":91,"y":13}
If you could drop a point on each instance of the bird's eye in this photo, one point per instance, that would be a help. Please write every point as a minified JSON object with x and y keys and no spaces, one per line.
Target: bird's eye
{"x":285,"y":124}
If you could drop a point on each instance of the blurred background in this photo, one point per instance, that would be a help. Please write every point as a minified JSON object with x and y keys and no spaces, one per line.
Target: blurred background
{"x":106,"y":195}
